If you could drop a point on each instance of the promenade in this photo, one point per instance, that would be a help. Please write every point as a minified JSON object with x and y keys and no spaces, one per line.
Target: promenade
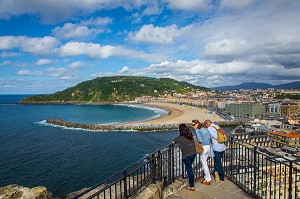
{"x":218,"y":190}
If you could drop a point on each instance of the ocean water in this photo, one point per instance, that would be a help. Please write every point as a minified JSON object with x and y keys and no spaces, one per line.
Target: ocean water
{"x":33,"y":153}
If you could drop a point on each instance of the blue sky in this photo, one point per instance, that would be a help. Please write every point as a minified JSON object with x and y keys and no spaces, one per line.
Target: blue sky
{"x":49,"y":45}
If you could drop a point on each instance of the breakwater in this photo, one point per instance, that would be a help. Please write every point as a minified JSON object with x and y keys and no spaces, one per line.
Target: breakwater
{"x":102,"y":127}
{"x":128,"y":127}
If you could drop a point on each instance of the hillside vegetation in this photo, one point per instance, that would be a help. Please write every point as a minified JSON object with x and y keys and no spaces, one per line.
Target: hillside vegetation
{"x":116,"y":89}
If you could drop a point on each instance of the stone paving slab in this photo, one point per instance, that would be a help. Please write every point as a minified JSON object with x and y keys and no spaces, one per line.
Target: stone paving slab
{"x":218,"y":190}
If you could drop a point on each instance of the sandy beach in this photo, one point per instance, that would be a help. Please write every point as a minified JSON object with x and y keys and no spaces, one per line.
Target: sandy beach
{"x":181,"y":114}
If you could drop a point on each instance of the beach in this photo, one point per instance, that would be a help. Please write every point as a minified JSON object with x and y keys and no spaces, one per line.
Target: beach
{"x":181,"y":114}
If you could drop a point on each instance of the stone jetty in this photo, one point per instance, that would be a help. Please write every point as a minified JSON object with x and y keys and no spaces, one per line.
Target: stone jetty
{"x":126,"y":127}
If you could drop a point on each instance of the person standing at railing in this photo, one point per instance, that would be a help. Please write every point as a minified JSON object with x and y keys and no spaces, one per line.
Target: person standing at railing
{"x":186,"y":144}
{"x":204,"y":137}
{"x":219,"y":151}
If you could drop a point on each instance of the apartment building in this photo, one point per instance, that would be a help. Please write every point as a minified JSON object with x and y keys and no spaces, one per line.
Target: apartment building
{"x":245,"y":110}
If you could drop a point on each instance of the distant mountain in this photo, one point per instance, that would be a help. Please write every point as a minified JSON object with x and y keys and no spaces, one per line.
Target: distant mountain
{"x":254,"y":85}
{"x":116,"y":89}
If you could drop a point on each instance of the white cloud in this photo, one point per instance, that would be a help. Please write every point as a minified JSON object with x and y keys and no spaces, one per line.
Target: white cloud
{"x":56,"y":72}
{"x":69,"y":31}
{"x":96,"y":51}
{"x":9,"y":42}
{"x":90,"y":49}
{"x":227,"y":47}
{"x":34,"y":45}
{"x":8,"y":54}
{"x":236,"y":5}
{"x":211,"y":74}
{"x":77,"y":64}
{"x":29,"y":73}
{"x":60,"y":73}
{"x":44,"y":62}
{"x":52,"y":11}
{"x":124,"y":69}
{"x":163,"y":35}
{"x":98,"y":21}
{"x":191,"y":5}
{"x":5,"y":63}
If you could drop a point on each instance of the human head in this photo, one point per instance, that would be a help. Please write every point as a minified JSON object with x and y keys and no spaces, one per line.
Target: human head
{"x":207,"y":123}
{"x":185,"y":131}
{"x":196,"y":124}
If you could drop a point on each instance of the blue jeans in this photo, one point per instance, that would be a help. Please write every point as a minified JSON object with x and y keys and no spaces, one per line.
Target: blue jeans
{"x":188,"y":166}
{"x":218,"y":164}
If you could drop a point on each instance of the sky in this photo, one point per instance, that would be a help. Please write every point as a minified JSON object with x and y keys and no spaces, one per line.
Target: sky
{"x":49,"y":45}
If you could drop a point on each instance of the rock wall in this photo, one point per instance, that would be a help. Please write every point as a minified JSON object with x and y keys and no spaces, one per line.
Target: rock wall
{"x":157,"y":191}
{"x":15,"y":191}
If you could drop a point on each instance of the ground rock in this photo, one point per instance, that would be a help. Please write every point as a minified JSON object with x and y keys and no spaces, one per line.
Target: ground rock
{"x":15,"y":191}
{"x":153,"y":191}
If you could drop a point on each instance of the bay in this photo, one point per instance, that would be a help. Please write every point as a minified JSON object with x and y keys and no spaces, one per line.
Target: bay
{"x":65,"y":160}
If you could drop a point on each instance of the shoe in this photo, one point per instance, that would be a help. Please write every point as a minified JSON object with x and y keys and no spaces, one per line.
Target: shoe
{"x":206,"y":182}
{"x":201,"y":178}
{"x":190,"y":188}
{"x":217,"y":178}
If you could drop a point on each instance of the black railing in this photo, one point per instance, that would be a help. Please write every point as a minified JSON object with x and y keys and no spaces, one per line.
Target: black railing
{"x":258,"y":172}
{"x":164,"y":165}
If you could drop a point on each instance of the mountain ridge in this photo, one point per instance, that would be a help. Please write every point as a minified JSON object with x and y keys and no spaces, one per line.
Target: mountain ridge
{"x":257,"y":85}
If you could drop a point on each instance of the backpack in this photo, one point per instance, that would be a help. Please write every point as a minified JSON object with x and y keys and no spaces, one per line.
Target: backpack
{"x":221,"y":138}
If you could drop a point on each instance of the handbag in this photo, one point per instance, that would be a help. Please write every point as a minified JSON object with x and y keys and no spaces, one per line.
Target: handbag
{"x":198,"y":146}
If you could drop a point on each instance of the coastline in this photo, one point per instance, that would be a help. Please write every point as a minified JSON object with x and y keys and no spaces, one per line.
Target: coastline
{"x":177,"y":114}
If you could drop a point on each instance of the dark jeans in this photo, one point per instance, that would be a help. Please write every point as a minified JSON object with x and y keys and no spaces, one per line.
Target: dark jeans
{"x":188,"y":166}
{"x":218,"y":164}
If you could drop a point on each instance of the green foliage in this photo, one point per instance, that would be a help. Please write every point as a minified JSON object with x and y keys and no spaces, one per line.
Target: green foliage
{"x":292,"y":96}
{"x":117,"y":89}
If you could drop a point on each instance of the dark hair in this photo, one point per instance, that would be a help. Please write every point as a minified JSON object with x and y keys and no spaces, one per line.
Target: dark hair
{"x":185,"y":131}
{"x":199,"y":124}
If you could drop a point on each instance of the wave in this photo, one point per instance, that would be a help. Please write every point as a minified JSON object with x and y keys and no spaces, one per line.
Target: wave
{"x":159,"y":111}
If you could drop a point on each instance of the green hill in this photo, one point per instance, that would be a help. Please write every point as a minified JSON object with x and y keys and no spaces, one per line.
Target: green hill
{"x":116,"y":89}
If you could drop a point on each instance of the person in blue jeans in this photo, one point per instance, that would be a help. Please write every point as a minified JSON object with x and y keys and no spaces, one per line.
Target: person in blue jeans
{"x":219,"y":151}
{"x":186,"y":144}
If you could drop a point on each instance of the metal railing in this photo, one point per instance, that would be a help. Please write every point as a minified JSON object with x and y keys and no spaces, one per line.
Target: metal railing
{"x":259,"y":173}
{"x":164,"y":165}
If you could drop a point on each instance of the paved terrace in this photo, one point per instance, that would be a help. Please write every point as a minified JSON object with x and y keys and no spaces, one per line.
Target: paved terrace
{"x":218,"y":190}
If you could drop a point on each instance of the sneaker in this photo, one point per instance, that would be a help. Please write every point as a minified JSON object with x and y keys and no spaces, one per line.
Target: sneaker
{"x":190,"y":188}
{"x":206,"y":182}
{"x":217,"y":178}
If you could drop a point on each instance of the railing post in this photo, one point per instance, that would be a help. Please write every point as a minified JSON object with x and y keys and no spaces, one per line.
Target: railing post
{"x":256,"y":168}
{"x":159,"y":165}
{"x":290,"y":179}
{"x":125,"y":183}
{"x":173,"y":162}
{"x":153,"y":169}
{"x":231,"y":158}
{"x":169,"y":165}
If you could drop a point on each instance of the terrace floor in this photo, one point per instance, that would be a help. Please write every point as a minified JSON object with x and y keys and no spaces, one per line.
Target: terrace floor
{"x":218,"y":190}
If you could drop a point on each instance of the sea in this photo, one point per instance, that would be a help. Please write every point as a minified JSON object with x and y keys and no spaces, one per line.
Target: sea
{"x":34,"y":153}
